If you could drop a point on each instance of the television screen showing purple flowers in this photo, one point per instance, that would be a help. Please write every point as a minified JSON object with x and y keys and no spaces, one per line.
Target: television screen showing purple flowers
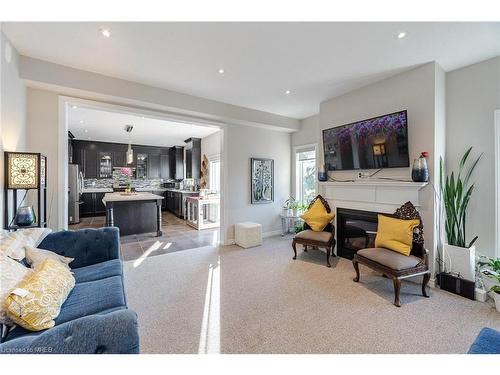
{"x":379,"y":142}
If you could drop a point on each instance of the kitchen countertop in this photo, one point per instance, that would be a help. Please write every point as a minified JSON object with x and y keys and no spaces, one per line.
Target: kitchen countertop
{"x":97,"y":190}
{"x":150,"y":189}
{"x":119,"y":197}
{"x":183,"y":191}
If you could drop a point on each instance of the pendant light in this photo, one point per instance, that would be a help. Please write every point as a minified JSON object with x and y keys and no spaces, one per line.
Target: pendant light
{"x":130,"y":152}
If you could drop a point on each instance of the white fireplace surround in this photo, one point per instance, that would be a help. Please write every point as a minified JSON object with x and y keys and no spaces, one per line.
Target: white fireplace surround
{"x":371,"y":195}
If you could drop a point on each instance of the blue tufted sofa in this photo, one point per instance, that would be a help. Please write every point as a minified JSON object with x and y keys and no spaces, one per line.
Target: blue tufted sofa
{"x":95,"y":317}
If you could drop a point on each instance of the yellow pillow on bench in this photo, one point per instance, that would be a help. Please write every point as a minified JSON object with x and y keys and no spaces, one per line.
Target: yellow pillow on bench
{"x":36,"y":301}
{"x":395,"y":234}
{"x":317,"y":217}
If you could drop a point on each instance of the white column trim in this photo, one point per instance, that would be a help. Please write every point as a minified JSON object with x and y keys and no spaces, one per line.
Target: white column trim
{"x":497,"y":183}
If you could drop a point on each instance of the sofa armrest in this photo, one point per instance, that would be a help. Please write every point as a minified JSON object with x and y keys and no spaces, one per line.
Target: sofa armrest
{"x":113,"y":333}
{"x":87,"y":246}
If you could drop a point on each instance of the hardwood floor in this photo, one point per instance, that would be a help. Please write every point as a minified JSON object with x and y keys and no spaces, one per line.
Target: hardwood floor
{"x":177,"y":236}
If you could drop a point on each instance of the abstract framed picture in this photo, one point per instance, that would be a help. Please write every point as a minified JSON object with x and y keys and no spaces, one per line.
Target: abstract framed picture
{"x":262,"y":180}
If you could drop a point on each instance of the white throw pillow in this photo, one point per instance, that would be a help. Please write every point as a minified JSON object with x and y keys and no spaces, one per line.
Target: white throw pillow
{"x":35,"y":257}
{"x":12,"y":244}
{"x":11,"y":274}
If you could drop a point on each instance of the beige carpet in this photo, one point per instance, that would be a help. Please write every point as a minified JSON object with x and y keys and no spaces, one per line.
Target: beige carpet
{"x":261,"y":301}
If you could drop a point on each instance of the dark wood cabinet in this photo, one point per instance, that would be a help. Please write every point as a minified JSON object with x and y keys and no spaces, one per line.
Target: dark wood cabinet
{"x":87,"y":207}
{"x":99,"y":207}
{"x":164,"y":166}
{"x":119,"y":159}
{"x":193,"y":157}
{"x":90,"y":163}
{"x":92,"y":204}
{"x":149,"y":161}
{"x":141,"y":165}
{"x":105,"y":164}
{"x":176,"y":156}
{"x":153,"y":166}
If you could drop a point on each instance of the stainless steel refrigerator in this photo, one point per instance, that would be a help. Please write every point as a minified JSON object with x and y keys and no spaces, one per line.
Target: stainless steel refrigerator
{"x":75,"y":187}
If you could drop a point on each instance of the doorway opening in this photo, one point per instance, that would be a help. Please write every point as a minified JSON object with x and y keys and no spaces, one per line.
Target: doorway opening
{"x":147,"y":163}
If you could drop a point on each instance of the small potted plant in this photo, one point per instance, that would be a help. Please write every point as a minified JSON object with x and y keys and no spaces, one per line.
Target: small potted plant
{"x":289,"y":206}
{"x":490,"y":272}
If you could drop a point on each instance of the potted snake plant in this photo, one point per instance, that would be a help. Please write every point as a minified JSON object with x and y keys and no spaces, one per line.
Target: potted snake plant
{"x":456,"y":192}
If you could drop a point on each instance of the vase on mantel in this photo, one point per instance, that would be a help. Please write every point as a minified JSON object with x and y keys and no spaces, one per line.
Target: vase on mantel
{"x":420,"y":171}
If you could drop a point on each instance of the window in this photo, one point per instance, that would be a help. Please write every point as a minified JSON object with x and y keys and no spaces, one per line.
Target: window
{"x":305,"y":161}
{"x":214,"y":174}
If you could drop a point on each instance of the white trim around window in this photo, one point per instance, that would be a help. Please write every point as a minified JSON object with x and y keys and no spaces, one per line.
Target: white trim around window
{"x":497,"y":183}
{"x":306,"y":147}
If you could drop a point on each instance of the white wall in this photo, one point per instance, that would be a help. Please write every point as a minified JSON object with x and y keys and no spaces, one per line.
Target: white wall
{"x":243,"y":143}
{"x":12,"y":111}
{"x":308,"y":134}
{"x":80,"y":82}
{"x":42,"y":136}
{"x":414,"y":91}
{"x":472,"y":96}
{"x":211,"y":145}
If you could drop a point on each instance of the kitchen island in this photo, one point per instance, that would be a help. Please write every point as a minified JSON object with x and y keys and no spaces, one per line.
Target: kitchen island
{"x":134,"y":213}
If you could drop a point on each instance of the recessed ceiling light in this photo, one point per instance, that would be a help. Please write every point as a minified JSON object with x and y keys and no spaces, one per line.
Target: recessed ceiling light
{"x":86,"y":131}
{"x":81,"y":121}
{"x":75,"y":107}
{"x":221,"y":71}
{"x":401,"y":35}
{"x":288,"y":92}
{"x":105,"y":32}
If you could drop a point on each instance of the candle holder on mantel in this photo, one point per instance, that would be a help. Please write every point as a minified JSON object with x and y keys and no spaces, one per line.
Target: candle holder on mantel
{"x":25,"y":171}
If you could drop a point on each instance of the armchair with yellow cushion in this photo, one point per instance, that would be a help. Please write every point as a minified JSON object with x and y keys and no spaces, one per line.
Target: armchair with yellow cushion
{"x":319,"y":232}
{"x":399,"y":251}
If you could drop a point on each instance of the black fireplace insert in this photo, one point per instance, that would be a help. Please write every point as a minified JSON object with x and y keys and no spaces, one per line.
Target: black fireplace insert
{"x":356,"y":230}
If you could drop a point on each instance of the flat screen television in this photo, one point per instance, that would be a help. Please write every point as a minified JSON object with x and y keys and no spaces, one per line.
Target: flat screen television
{"x":379,"y":142}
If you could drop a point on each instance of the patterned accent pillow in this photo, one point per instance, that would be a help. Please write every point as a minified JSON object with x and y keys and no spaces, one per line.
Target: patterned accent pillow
{"x":35,"y":257}
{"x":11,"y":274}
{"x":37,"y":300}
{"x":12,"y":243}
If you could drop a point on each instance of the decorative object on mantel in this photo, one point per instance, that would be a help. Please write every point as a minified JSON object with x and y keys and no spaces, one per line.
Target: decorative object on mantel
{"x":25,"y":171}
{"x":262,"y":180}
{"x":322,"y":175}
{"x":420,"y":171}
{"x":456,"y":192}
{"x":204,"y":172}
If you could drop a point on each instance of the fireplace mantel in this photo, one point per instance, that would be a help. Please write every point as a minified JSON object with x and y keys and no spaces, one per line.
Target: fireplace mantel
{"x":372,"y":194}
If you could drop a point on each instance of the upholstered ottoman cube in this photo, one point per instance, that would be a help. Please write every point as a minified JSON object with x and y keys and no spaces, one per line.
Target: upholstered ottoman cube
{"x":248,"y":234}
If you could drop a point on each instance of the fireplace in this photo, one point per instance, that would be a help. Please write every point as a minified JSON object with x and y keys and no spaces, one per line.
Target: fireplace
{"x":355,"y":230}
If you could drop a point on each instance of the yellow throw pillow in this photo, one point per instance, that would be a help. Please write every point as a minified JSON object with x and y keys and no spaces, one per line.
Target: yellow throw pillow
{"x":36,"y":301}
{"x":317,"y":217}
{"x":395,"y":234}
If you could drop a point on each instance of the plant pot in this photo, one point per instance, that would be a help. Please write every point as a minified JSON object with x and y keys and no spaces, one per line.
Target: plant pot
{"x":460,"y":260}
{"x":489,"y":283}
{"x":496,"y":297}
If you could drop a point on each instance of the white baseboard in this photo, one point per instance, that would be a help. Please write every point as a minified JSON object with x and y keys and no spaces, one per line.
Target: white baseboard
{"x":271,"y":233}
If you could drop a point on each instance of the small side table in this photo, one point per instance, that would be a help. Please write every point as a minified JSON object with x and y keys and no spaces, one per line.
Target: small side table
{"x":288,"y":222}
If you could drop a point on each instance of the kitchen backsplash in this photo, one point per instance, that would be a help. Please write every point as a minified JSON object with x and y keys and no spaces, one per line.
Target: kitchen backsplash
{"x":122,"y":178}
{"x":108,"y":183}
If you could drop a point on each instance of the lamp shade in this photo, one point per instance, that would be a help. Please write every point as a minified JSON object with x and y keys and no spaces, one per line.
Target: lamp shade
{"x":24,"y":170}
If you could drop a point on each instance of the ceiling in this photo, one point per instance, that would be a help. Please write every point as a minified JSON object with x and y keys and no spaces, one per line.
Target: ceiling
{"x":105,"y":126}
{"x":315,"y":61}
